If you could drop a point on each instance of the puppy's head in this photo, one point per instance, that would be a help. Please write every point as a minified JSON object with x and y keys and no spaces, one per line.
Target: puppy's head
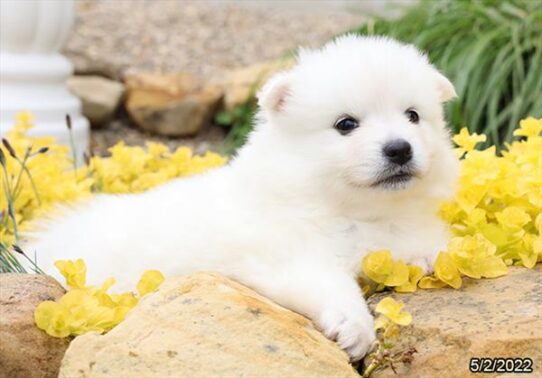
{"x":367,"y":112}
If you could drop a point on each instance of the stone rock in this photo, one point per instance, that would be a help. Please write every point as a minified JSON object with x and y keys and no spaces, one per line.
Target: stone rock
{"x":100,"y":97}
{"x":499,"y":317}
{"x":205,"y":325}
{"x":171,"y":105}
{"x":240,"y":83}
{"x":25,"y":350}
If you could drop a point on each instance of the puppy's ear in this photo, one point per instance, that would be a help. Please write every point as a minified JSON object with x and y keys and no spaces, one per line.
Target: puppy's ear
{"x":445,"y":87}
{"x":274,"y":93}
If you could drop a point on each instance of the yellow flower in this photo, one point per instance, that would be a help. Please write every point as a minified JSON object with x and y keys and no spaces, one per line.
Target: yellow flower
{"x":530,"y":250}
{"x":157,"y":150}
{"x":466,"y":141}
{"x":124,"y":300}
{"x":52,"y":318}
{"x":393,"y":311}
{"x":475,"y":257}
{"x":24,"y":121}
{"x":75,"y":272}
{"x":415,"y":273}
{"x":431,"y":282}
{"x":513,"y":218}
{"x":446,"y":271}
{"x":149,"y":282}
{"x":538,"y":223}
{"x":381,"y":322}
{"x":399,"y":275}
{"x":469,"y":197}
{"x":498,"y":236}
{"x":86,"y":312}
{"x":529,"y":127}
{"x":378,"y":265}
{"x":537,"y":247}
{"x":392,"y":331}
{"x":478,"y":169}
{"x":475,"y":219}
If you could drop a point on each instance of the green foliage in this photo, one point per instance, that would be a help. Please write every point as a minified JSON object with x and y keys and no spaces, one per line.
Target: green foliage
{"x":239,"y":120}
{"x":490,"y":49}
{"x":10,"y":263}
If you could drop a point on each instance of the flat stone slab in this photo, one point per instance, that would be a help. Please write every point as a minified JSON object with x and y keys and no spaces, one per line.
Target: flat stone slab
{"x":499,"y":317}
{"x":205,"y":325}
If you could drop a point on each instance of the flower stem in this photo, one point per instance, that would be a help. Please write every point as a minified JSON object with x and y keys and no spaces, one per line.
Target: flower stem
{"x":72,"y":144}
{"x":376,"y":362}
{"x":25,"y":169}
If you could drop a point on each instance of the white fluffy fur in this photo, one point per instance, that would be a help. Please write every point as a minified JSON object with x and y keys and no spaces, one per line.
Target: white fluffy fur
{"x":294,"y":213}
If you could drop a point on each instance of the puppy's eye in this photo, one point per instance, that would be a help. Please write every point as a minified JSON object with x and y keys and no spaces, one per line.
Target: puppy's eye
{"x":412,"y":115}
{"x":346,"y":124}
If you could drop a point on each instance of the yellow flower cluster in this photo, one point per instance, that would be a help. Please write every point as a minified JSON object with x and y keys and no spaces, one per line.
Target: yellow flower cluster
{"x":380,"y":267}
{"x":51,"y":178}
{"x":135,"y":169}
{"x":88,"y":308}
{"x":496,"y":216}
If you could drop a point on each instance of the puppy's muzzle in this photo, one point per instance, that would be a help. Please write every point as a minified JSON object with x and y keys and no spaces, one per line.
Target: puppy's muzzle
{"x":399,"y":168}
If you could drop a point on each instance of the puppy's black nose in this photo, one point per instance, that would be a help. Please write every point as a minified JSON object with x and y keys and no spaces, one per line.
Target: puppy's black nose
{"x":398,"y":151}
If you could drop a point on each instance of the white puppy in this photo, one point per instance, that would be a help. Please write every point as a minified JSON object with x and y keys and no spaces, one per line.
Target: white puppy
{"x":349,"y":154}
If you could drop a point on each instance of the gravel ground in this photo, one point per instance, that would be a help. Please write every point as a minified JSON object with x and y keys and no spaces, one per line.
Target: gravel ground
{"x":112,"y":37}
{"x":122,"y":129}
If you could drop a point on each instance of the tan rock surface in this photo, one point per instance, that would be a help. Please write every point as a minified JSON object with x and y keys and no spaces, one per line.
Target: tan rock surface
{"x":204,"y":38}
{"x":205,"y":325}
{"x":25,"y":350}
{"x":173,"y":105}
{"x":486,"y":318}
{"x":238,"y":84}
{"x":99,"y":96}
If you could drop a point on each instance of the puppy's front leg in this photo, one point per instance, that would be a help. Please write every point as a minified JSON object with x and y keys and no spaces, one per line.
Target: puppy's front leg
{"x":330,"y":297}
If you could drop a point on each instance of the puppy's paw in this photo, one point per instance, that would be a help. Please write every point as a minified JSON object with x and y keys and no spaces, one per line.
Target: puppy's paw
{"x":351,"y":328}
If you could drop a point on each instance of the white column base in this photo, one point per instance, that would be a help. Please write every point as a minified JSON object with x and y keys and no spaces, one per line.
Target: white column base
{"x":37,"y":83}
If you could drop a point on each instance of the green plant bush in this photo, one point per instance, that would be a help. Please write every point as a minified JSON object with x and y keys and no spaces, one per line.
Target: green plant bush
{"x":239,"y":121}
